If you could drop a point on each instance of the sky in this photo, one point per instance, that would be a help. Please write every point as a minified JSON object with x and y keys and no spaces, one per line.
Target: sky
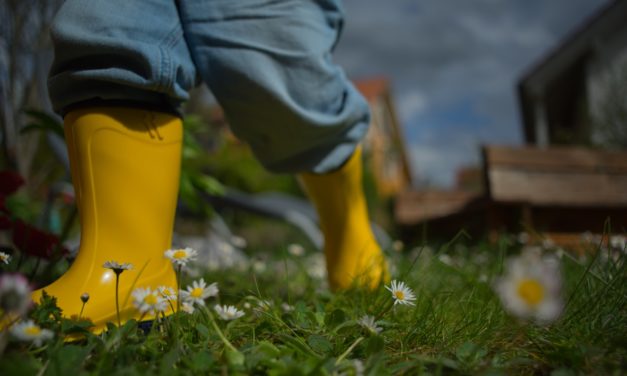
{"x":453,"y":66}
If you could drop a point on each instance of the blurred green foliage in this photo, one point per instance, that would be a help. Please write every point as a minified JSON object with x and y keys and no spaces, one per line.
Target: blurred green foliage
{"x":194,"y":181}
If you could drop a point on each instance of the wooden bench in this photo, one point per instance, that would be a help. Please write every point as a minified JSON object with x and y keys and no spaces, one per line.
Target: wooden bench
{"x":559,"y":191}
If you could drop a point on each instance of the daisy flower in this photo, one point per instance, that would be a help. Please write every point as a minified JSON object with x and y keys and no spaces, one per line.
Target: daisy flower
{"x":398,"y":246}
{"x":181,"y":256}
{"x":84,"y":297}
{"x":5,"y":257}
{"x":14,"y":294}
{"x":296,"y":250}
{"x":148,"y":301}
{"x":167,"y":293}
{"x":239,"y":242}
{"x":358,"y":367}
{"x":28,"y":331}
{"x":401,"y":293}
{"x":531,"y":288}
{"x":227,"y":312}
{"x":368,"y":323}
{"x":523,"y":238}
{"x":316,"y":266}
{"x":187,"y":307}
{"x":259,"y":266}
{"x":117,"y":267}
{"x":618,"y":242}
{"x":199,"y":291}
{"x":286,"y":307}
{"x":446,"y":259}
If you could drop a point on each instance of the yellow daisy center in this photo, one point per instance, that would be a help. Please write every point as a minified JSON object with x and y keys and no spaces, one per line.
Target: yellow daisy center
{"x":196,"y":293}
{"x":179,"y":254}
{"x":150,"y":299}
{"x":399,"y":295}
{"x":531,"y":291}
{"x":32,"y":330}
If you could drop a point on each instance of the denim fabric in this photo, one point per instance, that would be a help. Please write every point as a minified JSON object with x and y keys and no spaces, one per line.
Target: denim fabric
{"x":267,"y":62}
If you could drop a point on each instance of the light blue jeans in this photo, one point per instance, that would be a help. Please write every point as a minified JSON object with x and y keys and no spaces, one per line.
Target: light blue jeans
{"x":267,"y":62}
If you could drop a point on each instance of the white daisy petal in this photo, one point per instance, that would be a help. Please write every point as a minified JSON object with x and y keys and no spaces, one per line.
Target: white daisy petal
{"x":401,"y":293}
{"x":28,"y":331}
{"x":368,"y":322}
{"x":187,"y":307}
{"x":5,"y":257}
{"x":531,"y":288}
{"x":181,"y":256}
{"x":148,"y":301}
{"x":296,"y":250}
{"x":117,"y":267}
{"x":227,"y":312}
{"x":14,"y":294}
{"x":198,"y":292}
{"x":167,"y":292}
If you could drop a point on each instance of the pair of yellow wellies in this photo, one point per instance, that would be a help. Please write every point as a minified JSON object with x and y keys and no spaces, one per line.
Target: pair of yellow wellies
{"x":125,"y":169}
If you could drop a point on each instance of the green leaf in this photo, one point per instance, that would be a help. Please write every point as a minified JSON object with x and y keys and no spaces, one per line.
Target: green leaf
{"x":563,"y":372}
{"x":18,"y":364}
{"x":191,"y":148}
{"x":68,"y":359}
{"x":470,"y":353}
{"x":234,"y":357}
{"x":41,"y":121}
{"x":374,"y":345}
{"x":335,"y":318}
{"x":202,"y":330}
{"x":319,"y":318}
{"x":268,"y":349}
{"x":201,"y":361}
{"x":319,"y":343}
{"x":297,"y":344}
{"x":168,"y":361}
{"x":46,"y":313}
{"x":208,"y":184}
{"x":128,"y":327}
{"x":76,"y":327}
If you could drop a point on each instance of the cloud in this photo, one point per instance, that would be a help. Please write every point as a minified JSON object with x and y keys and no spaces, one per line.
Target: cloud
{"x":411,"y":104}
{"x":454,"y":66}
{"x":433,"y":163}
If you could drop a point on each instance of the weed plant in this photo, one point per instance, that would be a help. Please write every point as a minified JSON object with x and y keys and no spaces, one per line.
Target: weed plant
{"x":293,"y":325}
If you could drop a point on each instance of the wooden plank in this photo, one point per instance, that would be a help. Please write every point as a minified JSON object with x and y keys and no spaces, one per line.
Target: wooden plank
{"x":561,"y":176}
{"x":563,"y":188}
{"x":416,"y":207}
{"x":556,"y":159}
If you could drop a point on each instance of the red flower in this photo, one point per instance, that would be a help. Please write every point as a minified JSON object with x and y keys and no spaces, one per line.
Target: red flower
{"x":35,"y":242}
{"x":9,"y":182}
{"x":5,"y":222}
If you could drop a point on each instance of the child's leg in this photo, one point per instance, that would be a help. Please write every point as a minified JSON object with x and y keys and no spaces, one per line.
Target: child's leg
{"x":125,"y":161}
{"x":269,"y":65}
{"x":352,"y":254}
{"x":129,"y":52}
{"x":125,"y":170}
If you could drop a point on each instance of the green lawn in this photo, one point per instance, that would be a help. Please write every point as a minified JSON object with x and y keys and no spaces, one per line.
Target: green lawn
{"x":293,"y":325}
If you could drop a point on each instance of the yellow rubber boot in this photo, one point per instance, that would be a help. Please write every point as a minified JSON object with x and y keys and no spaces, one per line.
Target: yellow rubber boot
{"x":353,"y":257}
{"x":125,"y":167}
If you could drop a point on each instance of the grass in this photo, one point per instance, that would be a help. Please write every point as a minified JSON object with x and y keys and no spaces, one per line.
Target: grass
{"x":294,"y":326}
